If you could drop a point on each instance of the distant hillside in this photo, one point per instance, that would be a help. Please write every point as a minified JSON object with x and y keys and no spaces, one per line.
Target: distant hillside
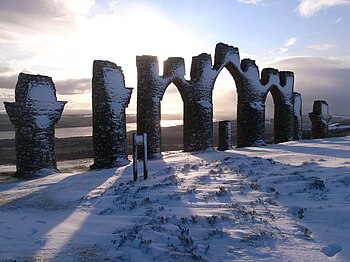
{"x":77,"y":120}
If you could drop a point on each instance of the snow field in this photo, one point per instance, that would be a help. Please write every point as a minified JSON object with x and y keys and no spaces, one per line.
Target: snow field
{"x":286,"y":202}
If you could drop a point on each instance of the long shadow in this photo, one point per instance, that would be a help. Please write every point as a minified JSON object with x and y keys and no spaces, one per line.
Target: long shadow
{"x":338,"y":153}
{"x":97,"y":211}
{"x":46,"y":206}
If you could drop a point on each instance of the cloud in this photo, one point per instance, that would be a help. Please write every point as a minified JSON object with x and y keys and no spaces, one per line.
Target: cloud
{"x":291,"y":41}
{"x":285,"y":48}
{"x":322,"y":47}
{"x":63,"y":87}
{"x":73,"y":86}
{"x":320,"y":78}
{"x":250,"y":1}
{"x":8,"y":82}
{"x":40,"y":13}
{"x":308,"y":8}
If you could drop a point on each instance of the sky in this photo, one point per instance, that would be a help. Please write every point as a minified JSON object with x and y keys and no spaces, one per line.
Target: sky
{"x":61,"y":38}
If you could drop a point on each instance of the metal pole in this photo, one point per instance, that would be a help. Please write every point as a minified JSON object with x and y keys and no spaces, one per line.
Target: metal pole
{"x":134,"y":156}
{"x":145,"y":157}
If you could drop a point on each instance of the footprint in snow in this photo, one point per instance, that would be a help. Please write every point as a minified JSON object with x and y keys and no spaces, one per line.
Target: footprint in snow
{"x":41,"y":221}
{"x":331,"y":250}
{"x":33,"y":231}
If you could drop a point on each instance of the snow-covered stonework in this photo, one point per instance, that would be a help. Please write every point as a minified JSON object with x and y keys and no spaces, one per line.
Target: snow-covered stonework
{"x":197,"y":98}
{"x":298,"y":123}
{"x":110,"y":97}
{"x":34,"y":114}
{"x":319,"y":119}
{"x":225,"y":135}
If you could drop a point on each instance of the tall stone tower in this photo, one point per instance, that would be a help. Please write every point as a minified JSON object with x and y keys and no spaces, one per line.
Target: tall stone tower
{"x":34,"y":114}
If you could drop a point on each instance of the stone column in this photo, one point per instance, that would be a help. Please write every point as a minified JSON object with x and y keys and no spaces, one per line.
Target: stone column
{"x":198,"y":125}
{"x":250,"y":123}
{"x":320,"y":119}
{"x":150,"y":88}
{"x":225,"y":135}
{"x":198,"y":108}
{"x":298,"y":122}
{"x":109,"y":100}
{"x":34,"y":114}
{"x":283,"y":122}
{"x":250,"y":107}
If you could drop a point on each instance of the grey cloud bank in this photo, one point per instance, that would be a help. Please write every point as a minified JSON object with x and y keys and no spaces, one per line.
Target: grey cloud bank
{"x":320,"y":78}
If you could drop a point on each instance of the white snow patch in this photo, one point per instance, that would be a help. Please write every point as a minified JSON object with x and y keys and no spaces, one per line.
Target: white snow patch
{"x":324,"y":110}
{"x":41,"y":92}
{"x":42,"y":121}
{"x":253,"y":75}
{"x":115,"y":86}
{"x":257,"y":105}
{"x":205,"y":104}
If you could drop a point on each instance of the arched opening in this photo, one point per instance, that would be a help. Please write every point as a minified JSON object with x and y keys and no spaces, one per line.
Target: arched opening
{"x":274,"y":100}
{"x":171,"y":120}
{"x":224,"y":104}
{"x":269,"y":119}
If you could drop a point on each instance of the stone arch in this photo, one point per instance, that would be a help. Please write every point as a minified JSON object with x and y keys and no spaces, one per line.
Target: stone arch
{"x":150,"y":91}
{"x":197,"y":98}
{"x":277,"y":98}
{"x":280,"y":85}
{"x":178,"y":87}
{"x":233,"y":71}
{"x":231,"y":99}
{"x":250,"y":96}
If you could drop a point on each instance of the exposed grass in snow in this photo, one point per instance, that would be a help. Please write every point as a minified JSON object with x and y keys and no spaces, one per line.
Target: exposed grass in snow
{"x":286,"y":202}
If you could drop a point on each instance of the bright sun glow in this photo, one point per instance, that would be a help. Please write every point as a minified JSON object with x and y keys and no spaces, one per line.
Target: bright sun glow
{"x":116,"y":37}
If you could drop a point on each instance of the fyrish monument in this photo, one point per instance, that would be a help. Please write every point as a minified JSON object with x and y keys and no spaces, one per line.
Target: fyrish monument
{"x":36,"y":109}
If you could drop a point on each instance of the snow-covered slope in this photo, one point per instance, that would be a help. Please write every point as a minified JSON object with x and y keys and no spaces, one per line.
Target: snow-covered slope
{"x":286,"y":202}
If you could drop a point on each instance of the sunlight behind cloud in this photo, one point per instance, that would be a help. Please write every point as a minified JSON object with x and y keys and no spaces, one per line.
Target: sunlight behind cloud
{"x":117,"y":35}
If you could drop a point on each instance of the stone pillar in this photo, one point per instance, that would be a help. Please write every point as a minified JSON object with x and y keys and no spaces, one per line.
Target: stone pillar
{"x":109,"y":100}
{"x":225,"y":135}
{"x":298,"y":122}
{"x":250,"y":107}
{"x":284,"y":108}
{"x":320,"y":119}
{"x":250,"y":123}
{"x":34,"y":114}
{"x":198,"y":125}
{"x":198,"y":108}
{"x":283,"y":123}
{"x":149,"y":94}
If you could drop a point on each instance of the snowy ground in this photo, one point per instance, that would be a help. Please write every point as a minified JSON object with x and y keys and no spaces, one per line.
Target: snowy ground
{"x":286,"y":202}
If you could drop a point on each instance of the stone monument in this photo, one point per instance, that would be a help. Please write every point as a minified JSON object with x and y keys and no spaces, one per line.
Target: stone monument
{"x":110,"y":97}
{"x":34,"y":114}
